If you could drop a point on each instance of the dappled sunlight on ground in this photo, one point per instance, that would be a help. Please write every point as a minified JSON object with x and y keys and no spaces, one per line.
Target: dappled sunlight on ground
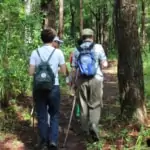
{"x":115,"y":134}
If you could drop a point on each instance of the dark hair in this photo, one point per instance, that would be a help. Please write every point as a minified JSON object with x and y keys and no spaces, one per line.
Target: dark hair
{"x":47,"y":35}
{"x":79,"y":42}
{"x":84,"y":37}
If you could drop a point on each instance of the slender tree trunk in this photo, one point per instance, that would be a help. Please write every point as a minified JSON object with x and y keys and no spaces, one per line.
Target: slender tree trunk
{"x":81,"y":16}
{"x":28,"y":7}
{"x":100,"y":25}
{"x":143,"y":34}
{"x":61,"y":18}
{"x":130,"y":68}
{"x":95,"y":23}
{"x":72,"y":26}
{"x":105,"y":29}
{"x":48,"y":7}
{"x":97,"y":29}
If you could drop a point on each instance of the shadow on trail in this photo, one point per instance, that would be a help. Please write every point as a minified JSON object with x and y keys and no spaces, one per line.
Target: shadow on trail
{"x":75,"y":141}
{"x":23,"y":131}
{"x":18,"y":133}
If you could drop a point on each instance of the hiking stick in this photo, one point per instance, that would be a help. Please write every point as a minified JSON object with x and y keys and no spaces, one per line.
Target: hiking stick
{"x":70,"y":119}
{"x":32,"y":115}
{"x":72,"y":111}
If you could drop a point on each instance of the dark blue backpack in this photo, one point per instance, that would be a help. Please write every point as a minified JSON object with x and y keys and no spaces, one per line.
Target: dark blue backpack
{"x":86,"y":61}
{"x":44,"y":77}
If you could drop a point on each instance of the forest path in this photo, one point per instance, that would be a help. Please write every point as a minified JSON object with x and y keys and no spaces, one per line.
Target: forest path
{"x":75,"y":140}
{"x":25,"y":137}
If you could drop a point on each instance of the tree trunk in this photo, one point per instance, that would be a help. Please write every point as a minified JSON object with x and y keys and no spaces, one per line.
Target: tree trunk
{"x":105,"y":29}
{"x":61,"y":18}
{"x":97,"y":29}
{"x":72,"y":26}
{"x":130,"y":68}
{"x":28,"y":7}
{"x":48,"y":7}
{"x":95,"y":23}
{"x":100,"y":25}
{"x":143,"y":34}
{"x":81,"y":16}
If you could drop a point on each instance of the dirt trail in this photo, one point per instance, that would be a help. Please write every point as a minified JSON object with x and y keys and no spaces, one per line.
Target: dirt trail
{"x":75,"y":141}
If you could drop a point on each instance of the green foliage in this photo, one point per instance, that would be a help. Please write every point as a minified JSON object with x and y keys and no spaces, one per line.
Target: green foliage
{"x":95,"y":146}
{"x":146,"y":64}
{"x":19,"y":34}
{"x":12,"y":116}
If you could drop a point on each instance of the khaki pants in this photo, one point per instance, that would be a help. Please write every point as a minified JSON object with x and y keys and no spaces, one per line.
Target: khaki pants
{"x":89,"y":96}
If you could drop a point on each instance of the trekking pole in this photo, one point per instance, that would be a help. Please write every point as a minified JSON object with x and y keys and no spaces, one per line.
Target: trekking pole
{"x":32,"y":115}
{"x":71,"y":115}
{"x":70,"y":119}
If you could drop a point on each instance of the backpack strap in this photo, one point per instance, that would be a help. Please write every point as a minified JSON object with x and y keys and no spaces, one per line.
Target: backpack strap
{"x":91,"y":46}
{"x":39,"y":55}
{"x":88,"y":48}
{"x":50,"y":55}
{"x":79,"y":49}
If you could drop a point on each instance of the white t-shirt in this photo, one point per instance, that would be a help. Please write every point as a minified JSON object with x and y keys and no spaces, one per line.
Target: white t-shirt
{"x":56,"y":59}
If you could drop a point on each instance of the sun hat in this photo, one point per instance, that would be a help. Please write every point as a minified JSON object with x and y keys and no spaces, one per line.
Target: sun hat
{"x":56,"y":39}
{"x":87,"y":31}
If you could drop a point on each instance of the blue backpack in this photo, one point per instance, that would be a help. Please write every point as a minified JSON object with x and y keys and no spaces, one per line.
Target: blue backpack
{"x":86,"y":61}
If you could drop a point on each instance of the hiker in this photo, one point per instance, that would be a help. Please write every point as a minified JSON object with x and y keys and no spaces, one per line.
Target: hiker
{"x":57,"y":42}
{"x":88,"y":60}
{"x":79,"y":42}
{"x":72,"y":78}
{"x":44,"y":62}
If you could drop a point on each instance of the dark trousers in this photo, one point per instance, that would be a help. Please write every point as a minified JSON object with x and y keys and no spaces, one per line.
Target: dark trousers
{"x":48,"y":103}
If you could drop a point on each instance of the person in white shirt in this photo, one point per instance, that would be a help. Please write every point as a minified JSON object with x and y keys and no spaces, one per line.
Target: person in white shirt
{"x":57,"y":42}
{"x":44,"y":99}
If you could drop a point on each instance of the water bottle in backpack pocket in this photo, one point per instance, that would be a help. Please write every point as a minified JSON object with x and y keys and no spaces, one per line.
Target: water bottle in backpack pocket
{"x":44,"y":77}
{"x":86,"y":61}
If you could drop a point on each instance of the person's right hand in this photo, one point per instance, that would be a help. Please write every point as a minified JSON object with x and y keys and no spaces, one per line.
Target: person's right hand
{"x":67,"y":80}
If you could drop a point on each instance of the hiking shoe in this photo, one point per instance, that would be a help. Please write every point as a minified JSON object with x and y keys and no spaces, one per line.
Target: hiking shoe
{"x":41,"y":146}
{"x":52,"y":146}
{"x":94,"y":132}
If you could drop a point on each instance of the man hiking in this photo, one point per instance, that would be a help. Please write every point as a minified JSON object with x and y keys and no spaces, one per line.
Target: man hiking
{"x":44,"y":62}
{"x":57,"y":42}
{"x":88,"y":60}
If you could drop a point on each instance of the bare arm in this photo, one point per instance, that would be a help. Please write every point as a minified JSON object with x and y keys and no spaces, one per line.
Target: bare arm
{"x":31,"y":70}
{"x":32,"y":64}
{"x":104,"y":64}
{"x":63,"y":69}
